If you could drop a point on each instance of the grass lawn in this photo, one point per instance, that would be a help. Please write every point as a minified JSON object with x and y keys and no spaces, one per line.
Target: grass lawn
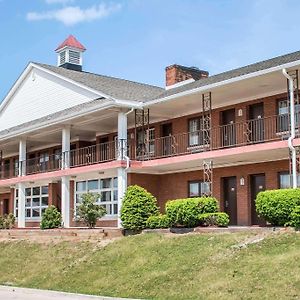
{"x":154,"y":266}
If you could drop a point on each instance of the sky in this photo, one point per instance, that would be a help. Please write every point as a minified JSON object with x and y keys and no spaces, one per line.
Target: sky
{"x":137,"y":39}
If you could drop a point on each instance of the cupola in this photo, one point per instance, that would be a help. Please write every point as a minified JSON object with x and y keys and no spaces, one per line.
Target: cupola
{"x":69,"y":54}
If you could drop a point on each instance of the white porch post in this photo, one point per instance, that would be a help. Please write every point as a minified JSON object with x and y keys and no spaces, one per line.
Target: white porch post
{"x":22,"y":157}
{"x":122,"y":154}
{"x":21,"y":205}
{"x":65,"y":180}
{"x":65,"y":201}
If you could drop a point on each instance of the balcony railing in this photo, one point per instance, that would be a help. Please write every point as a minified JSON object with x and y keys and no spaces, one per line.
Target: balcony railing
{"x":220,"y":137}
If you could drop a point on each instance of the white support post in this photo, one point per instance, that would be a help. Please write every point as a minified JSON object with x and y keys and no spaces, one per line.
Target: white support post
{"x":65,"y":144}
{"x":65,"y":201}
{"x":122,"y":135}
{"x":21,"y":205}
{"x":122,"y":186}
{"x":22,"y":157}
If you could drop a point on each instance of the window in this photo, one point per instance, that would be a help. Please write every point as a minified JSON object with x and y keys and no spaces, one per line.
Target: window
{"x":36,"y":201}
{"x":198,"y":188}
{"x":74,"y":57}
{"x":196,"y":136}
{"x":283,"y":113}
{"x":44,"y":160}
{"x":285,"y":180}
{"x":107,"y":188}
{"x":146,"y":142}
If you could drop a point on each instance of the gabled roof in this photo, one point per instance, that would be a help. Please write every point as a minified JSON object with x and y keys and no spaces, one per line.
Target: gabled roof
{"x":235,"y":73}
{"x":115,"y":87}
{"x":71,"y":41}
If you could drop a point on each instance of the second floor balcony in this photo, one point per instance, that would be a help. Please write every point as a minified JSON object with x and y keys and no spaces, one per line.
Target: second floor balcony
{"x":186,"y":143}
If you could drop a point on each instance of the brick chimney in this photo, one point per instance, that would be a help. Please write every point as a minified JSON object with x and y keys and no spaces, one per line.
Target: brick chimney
{"x":178,"y":73}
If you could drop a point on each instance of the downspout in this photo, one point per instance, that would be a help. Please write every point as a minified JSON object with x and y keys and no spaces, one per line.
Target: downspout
{"x":292,"y":124}
{"x":125,"y":156}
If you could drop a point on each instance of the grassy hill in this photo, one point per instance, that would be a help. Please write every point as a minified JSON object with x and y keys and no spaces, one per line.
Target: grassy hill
{"x":154,"y":266}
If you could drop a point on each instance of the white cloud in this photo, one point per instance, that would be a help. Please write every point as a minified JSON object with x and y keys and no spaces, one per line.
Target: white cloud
{"x":58,"y":1}
{"x":72,"y":15}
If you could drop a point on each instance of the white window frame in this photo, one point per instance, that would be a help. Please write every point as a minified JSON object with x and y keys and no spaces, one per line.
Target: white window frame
{"x":29,"y":199}
{"x":113,"y":189}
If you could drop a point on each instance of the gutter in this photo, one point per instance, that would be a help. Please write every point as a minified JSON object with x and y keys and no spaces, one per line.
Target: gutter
{"x":292,"y":124}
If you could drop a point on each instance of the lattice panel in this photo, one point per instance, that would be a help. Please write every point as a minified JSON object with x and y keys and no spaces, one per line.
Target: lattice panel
{"x":206,"y":119}
{"x":208,"y":177}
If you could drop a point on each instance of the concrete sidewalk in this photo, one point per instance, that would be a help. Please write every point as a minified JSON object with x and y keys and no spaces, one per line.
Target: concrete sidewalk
{"x":13,"y":293}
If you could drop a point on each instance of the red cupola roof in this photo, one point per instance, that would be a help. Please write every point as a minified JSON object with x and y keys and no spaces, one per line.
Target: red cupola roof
{"x":71,"y":41}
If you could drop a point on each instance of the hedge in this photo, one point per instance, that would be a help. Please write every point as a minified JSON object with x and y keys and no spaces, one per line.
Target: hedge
{"x":160,"y":221}
{"x":276,"y":206}
{"x":185,"y":212}
{"x":219,"y":219}
{"x":295,"y":218}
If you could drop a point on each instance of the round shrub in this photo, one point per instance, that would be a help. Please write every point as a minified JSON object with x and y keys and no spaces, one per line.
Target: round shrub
{"x":295,"y":217}
{"x":219,"y":219}
{"x":51,"y":218}
{"x":138,"y":206}
{"x":185,"y":212}
{"x":275,"y":206}
{"x":160,"y":221}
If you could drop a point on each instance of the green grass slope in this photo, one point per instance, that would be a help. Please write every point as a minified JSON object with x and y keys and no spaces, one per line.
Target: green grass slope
{"x":153,"y":266}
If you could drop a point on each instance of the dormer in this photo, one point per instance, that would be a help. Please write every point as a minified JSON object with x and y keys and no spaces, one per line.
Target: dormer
{"x":69,"y":54}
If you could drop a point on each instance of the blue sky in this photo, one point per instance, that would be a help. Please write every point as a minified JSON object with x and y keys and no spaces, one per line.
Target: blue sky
{"x":137,"y":39}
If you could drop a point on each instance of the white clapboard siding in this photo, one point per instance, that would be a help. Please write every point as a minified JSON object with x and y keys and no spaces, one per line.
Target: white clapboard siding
{"x":41,"y":94}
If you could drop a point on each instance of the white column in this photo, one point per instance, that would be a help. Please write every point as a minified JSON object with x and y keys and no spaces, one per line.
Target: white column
{"x":22,"y":157}
{"x":65,"y":145}
{"x":21,"y":205}
{"x":65,"y":201}
{"x":122,"y":135}
{"x":122,"y":186}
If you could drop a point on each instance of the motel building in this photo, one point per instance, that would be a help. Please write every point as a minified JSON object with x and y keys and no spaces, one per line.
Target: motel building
{"x":65,"y":131}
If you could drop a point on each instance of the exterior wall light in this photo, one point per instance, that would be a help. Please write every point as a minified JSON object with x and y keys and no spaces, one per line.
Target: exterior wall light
{"x":242,"y":181}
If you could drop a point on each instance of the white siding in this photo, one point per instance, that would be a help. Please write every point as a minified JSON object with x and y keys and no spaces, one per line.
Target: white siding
{"x":41,"y":94}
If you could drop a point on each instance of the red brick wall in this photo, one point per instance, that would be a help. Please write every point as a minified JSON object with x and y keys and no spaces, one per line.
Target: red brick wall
{"x":174,"y":186}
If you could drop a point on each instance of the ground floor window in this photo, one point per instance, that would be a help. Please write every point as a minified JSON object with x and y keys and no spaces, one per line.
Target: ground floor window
{"x":197,"y":188}
{"x":285,"y":180}
{"x":107,"y":188}
{"x":36,"y":201}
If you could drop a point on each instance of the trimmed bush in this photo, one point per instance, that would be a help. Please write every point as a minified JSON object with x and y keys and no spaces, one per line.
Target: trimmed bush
{"x":185,"y":212}
{"x":219,"y":219}
{"x":7,"y":221}
{"x":138,"y":206}
{"x":51,"y":218}
{"x":89,"y":211}
{"x":295,"y":217}
{"x":160,"y":221}
{"x":276,"y":206}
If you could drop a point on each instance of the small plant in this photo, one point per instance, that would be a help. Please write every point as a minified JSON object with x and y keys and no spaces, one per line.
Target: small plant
{"x":89,"y":211}
{"x":160,"y":221}
{"x":295,"y":218}
{"x":276,"y":206}
{"x":51,"y":218}
{"x":219,"y":219}
{"x":7,"y":221}
{"x":138,"y":206}
{"x":185,"y":212}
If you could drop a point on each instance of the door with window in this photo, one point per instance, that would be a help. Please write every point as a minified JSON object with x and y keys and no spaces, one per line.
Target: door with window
{"x":257,"y":184}
{"x":256,"y":123}
{"x":166,"y":139}
{"x":230,"y":198}
{"x":228,"y":131}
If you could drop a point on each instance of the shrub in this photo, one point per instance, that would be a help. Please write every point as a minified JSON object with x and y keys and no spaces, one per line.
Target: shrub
{"x":51,"y":218}
{"x":138,"y":206}
{"x":160,"y":221}
{"x":89,"y":211}
{"x":7,"y":221}
{"x":185,"y":212}
{"x":275,"y":206}
{"x":219,"y":219}
{"x":295,"y":217}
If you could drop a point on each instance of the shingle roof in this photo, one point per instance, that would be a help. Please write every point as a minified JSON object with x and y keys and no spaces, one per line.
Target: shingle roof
{"x":266,"y":64}
{"x":115,"y":87}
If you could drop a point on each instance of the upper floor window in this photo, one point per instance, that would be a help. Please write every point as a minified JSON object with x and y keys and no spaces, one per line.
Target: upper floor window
{"x":146,"y":142}
{"x":196,"y":136}
{"x":283,"y":115}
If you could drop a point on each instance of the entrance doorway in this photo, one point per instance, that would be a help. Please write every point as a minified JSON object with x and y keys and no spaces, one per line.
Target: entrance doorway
{"x":257,"y":184}
{"x":228,"y":134}
{"x":5,"y":207}
{"x":230,"y":198}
